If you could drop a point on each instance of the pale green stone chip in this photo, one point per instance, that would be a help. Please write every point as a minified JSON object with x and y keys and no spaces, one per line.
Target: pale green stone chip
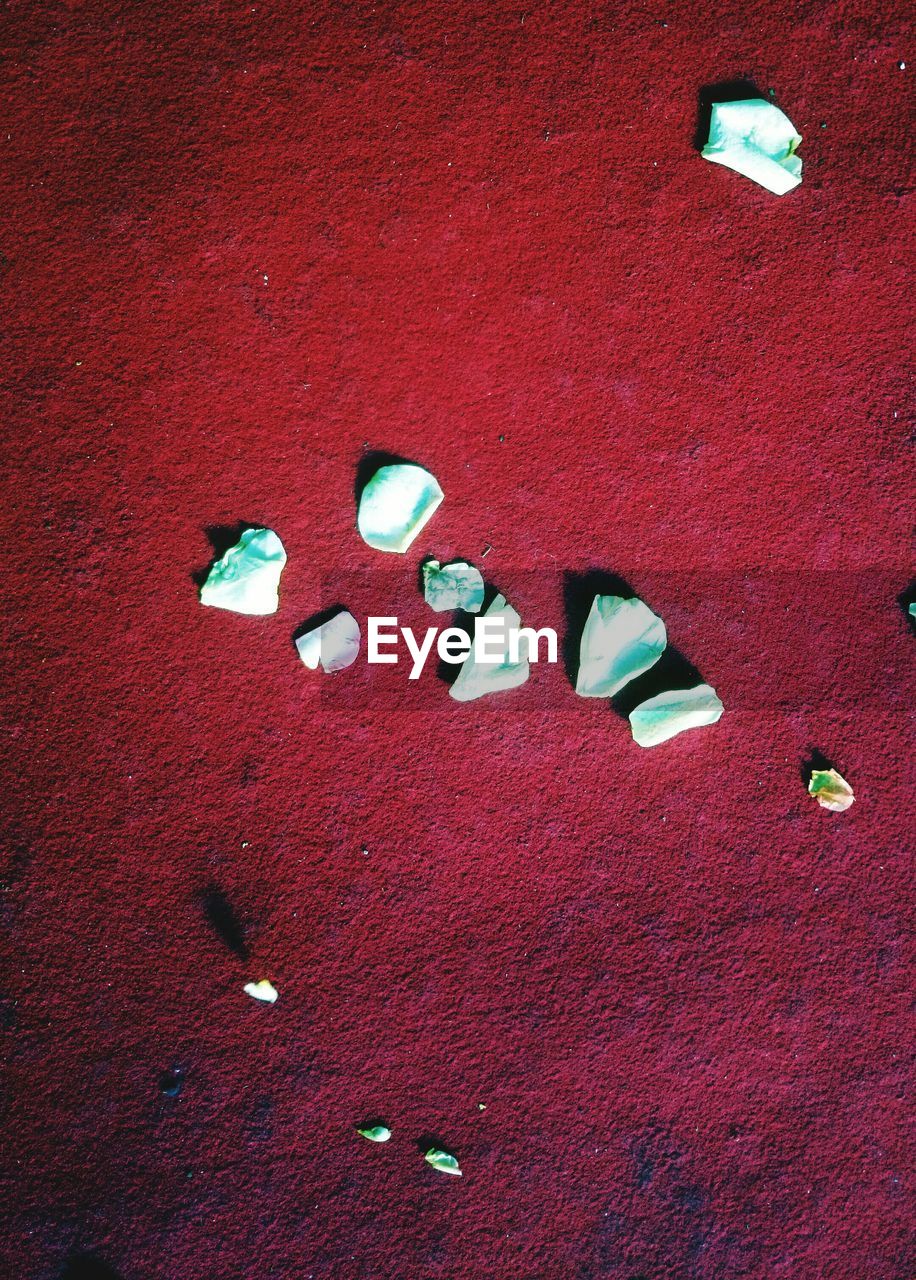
{"x":247,"y":578}
{"x":475,"y":678}
{"x":622,"y":639}
{"x":377,"y":1133}
{"x":671,"y":713}
{"x":448,"y":587}
{"x":333,"y":646}
{"x":396,"y":504}
{"x":442,"y":1161}
{"x":756,"y":139}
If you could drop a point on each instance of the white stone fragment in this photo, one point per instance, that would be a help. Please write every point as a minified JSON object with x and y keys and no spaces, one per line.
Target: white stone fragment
{"x":247,"y":578}
{"x":264,"y":991}
{"x":333,"y":645}
{"x":668,"y":714}
{"x":375,"y":1133}
{"x":476,"y":678}
{"x":396,"y":504}
{"x":755,"y":138}
{"x":621,"y":639}
{"x":452,"y":586}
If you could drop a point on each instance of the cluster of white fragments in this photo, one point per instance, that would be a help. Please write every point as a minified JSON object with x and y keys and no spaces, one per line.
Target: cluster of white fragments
{"x":621,"y":639}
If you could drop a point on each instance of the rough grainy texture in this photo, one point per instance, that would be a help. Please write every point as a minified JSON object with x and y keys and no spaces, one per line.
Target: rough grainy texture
{"x":243,"y":244}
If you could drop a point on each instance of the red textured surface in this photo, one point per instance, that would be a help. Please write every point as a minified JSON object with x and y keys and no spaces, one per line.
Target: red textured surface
{"x":245,"y":242}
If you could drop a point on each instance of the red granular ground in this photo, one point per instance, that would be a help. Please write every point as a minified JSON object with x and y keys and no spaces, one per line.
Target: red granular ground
{"x":243,"y":245}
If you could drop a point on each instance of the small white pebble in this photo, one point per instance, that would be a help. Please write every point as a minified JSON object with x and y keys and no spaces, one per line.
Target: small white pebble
{"x":264,"y":991}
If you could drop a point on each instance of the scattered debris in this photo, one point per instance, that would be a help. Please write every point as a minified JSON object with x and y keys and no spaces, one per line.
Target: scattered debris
{"x":668,"y":714}
{"x":457,"y":585}
{"x":831,"y":790}
{"x":333,"y":645}
{"x":442,"y":1161}
{"x":477,"y":678}
{"x":247,"y":578}
{"x":621,"y":639}
{"x":396,"y":504}
{"x":755,"y":138}
{"x":375,"y":1133}
{"x":264,"y":991}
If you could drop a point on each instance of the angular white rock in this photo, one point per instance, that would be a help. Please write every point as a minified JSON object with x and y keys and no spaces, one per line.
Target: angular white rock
{"x":755,"y":138}
{"x":264,"y":991}
{"x":443,"y":1161}
{"x":622,"y":639}
{"x":452,"y":586}
{"x":478,"y":678}
{"x":670,"y":713}
{"x":333,"y":646}
{"x":247,"y":578}
{"x":396,"y":504}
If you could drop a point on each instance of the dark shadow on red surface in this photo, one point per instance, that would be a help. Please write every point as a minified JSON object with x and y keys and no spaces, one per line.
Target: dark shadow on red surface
{"x":89,"y":1266}
{"x":815,"y":761}
{"x":221,"y":538}
{"x":223,"y":918}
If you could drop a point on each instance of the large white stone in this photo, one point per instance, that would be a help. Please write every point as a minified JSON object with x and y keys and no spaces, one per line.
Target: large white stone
{"x":333,"y":645}
{"x":247,"y":578}
{"x":396,"y":504}
{"x":755,"y":138}
{"x":621,"y":639}
{"x":478,"y":678}
{"x":670,"y":713}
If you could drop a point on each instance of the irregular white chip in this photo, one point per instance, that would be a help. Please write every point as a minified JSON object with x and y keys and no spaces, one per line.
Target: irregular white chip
{"x":396,"y":504}
{"x":668,"y":714}
{"x":247,"y":578}
{"x":831,"y":790}
{"x":476,"y":678}
{"x":755,"y":138}
{"x":452,"y":586}
{"x":333,"y":645}
{"x":442,"y":1161}
{"x":263,"y":990}
{"x":622,"y":639}
{"x":376,"y":1133}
